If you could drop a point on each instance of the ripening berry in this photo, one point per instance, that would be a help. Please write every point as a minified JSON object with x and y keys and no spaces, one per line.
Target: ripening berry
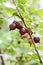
{"x":29,"y":40}
{"x":36,"y":39}
{"x":22,"y":31}
{"x":12,"y":26}
{"x":18,"y":25}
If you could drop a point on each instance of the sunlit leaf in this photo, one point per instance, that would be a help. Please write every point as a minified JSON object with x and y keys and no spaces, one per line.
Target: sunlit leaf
{"x":39,"y":12}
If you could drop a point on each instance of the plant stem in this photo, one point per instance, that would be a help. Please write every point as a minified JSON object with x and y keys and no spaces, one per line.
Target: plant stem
{"x":21,"y":17}
{"x":36,"y":50}
{"x":2,"y":60}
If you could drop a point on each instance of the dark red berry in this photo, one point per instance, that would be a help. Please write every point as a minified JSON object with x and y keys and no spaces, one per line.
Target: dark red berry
{"x":12,"y":26}
{"x":18,"y":25}
{"x":36,"y":39}
{"x":22,"y":31}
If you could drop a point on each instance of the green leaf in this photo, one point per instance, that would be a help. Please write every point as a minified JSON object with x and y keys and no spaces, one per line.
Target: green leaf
{"x":2,"y":0}
{"x":32,"y":62}
{"x":22,"y":1}
{"x":40,"y":47}
{"x":34,"y":56}
{"x":40,"y":25}
{"x":35,"y":1}
{"x":39,"y":12}
{"x":9,"y":11}
{"x":1,"y":21}
{"x":11,"y":51}
{"x":31,"y":9}
{"x":1,"y":7}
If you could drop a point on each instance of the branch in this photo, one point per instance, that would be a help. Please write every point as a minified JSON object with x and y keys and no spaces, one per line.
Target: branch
{"x":2,"y":60}
{"x":36,"y":50}
{"x":20,"y":16}
{"x":28,"y":33}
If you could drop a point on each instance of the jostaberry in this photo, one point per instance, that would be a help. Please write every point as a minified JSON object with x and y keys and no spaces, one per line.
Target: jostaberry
{"x":18,"y":25}
{"x":12,"y":26}
{"x":22,"y":31}
{"x":36,"y":39}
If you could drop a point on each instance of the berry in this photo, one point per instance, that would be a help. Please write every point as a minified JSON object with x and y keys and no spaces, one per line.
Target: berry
{"x":28,"y":30}
{"x":12,"y":26}
{"x":22,"y":31}
{"x":18,"y":25}
{"x":36,"y":39}
{"x":29,"y":41}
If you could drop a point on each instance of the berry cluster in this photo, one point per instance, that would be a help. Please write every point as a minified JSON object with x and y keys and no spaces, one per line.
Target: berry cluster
{"x":23,"y":31}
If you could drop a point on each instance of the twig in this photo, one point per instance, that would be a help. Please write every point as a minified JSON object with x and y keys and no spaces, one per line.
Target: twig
{"x":36,"y":50}
{"x":28,"y":33}
{"x":2,"y":60}
{"x":19,"y":13}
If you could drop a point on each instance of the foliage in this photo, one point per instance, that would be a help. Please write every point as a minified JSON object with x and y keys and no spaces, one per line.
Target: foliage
{"x":14,"y":53}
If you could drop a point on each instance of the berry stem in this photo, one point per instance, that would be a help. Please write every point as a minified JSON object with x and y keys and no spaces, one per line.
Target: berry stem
{"x":2,"y":60}
{"x":21,"y":17}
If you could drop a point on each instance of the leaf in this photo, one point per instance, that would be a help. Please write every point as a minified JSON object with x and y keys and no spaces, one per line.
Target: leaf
{"x":1,"y":7}
{"x":31,"y":9}
{"x":34,"y":56}
{"x":40,"y":47}
{"x":22,"y":7}
{"x":40,"y":25}
{"x":32,"y":62}
{"x":2,"y":0}
{"x":22,"y":4}
{"x":35,"y":1}
{"x":9,"y":11}
{"x":11,"y":51}
{"x":22,"y":1}
{"x":1,"y":21}
{"x":39,"y":12}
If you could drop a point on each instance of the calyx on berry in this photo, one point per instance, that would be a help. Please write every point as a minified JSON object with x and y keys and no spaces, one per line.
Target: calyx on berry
{"x":12,"y":26}
{"x":36,"y":39}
